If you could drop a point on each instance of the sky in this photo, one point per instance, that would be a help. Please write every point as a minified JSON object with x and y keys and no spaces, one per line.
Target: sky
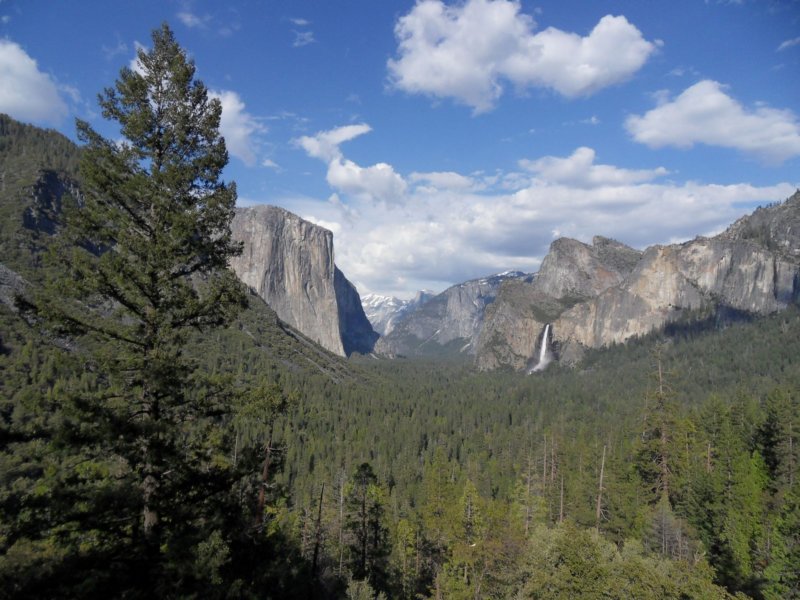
{"x":442,"y":141}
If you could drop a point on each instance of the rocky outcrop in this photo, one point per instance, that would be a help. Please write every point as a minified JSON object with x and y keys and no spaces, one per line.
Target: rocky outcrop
{"x":575,"y":271}
{"x":776,"y":227}
{"x":572,"y":272}
{"x":669,"y":281}
{"x":607,"y":293}
{"x":447,"y":323}
{"x":289,"y":262}
{"x":11,"y":285}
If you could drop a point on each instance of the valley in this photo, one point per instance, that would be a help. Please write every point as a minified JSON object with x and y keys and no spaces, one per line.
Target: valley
{"x":196,"y":401}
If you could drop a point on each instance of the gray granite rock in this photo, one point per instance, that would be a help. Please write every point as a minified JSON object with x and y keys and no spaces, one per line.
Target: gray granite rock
{"x":289,"y":262}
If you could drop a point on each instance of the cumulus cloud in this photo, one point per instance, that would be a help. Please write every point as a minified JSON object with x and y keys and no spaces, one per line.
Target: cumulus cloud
{"x":378,"y":182}
{"x":239,"y":128}
{"x":705,"y":114}
{"x":579,"y":170}
{"x":469,"y":50}
{"x":26,"y":93}
{"x":325,"y":144}
{"x":442,"y":227}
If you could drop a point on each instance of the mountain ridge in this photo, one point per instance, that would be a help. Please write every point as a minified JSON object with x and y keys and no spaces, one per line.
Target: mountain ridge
{"x":752,"y":267}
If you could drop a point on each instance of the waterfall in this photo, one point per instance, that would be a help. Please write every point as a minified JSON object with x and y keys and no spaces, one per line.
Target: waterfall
{"x":544,"y":360}
{"x":543,"y":351}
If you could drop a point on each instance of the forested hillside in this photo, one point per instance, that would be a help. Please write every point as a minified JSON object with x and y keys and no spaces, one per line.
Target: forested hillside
{"x":164,"y":434}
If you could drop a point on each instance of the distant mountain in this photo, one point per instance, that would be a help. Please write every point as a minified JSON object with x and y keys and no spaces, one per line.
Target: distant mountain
{"x":606,"y":293}
{"x":448,"y":323}
{"x":384,"y":312}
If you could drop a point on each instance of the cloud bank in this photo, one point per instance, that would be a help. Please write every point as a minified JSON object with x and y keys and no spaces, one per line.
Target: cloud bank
{"x":467,"y":52}
{"x":396,"y":234}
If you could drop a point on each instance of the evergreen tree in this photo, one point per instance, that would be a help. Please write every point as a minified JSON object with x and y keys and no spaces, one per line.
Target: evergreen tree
{"x":143,"y":262}
{"x":369,"y":545}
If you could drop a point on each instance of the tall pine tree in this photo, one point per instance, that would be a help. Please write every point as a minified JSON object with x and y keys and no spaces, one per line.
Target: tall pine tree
{"x":143,"y":257}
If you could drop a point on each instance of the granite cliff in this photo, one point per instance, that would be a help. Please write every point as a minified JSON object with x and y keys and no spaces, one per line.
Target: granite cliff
{"x":607,"y":293}
{"x":449,"y":322}
{"x":571,"y":273}
{"x":289,"y":262}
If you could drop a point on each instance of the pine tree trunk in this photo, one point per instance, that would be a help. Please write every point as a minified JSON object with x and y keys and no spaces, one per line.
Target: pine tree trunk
{"x":317,"y":533}
{"x":262,"y":492}
{"x":599,"y":509}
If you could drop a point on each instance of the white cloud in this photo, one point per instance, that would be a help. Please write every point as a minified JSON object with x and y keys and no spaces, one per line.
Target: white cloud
{"x":443,"y":180}
{"x":239,"y":128}
{"x":789,"y":43}
{"x":111,"y":51}
{"x":271,"y":164}
{"x":191,"y":20}
{"x":300,"y":22}
{"x":135,"y":65}
{"x":303,"y":38}
{"x":469,"y":50}
{"x":579,"y":170}
{"x":434,"y":229}
{"x":26,"y":93}
{"x":705,"y":114}
{"x":325,"y":144}
{"x":379,"y":182}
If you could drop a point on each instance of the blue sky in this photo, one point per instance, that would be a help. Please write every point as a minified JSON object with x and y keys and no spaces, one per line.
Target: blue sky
{"x":442,"y":141}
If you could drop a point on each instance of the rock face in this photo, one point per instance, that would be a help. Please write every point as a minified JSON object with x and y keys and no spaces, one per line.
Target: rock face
{"x":447,"y":323}
{"x":11,"y":284}
{"x":576,"y":271}
{"x":571,"y":273}
{"x":776,"y":228}
{"x":384,"y":312}
{"x":355,"y":329}
{"x":289,"y":263}
{"x":606,"y":293}
{"x":704,"y":274}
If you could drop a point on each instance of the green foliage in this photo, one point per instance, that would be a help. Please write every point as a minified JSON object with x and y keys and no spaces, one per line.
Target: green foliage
{"x":121,"y":473}
{"x":566,"y":562}
{"x":368,"y":536}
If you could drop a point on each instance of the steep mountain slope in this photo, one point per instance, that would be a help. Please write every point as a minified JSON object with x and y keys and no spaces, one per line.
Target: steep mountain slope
{"x":571,"y":273}
{"x":289,"y":263}
{"x":607,"y":295}
{"x":384,"y":312}
{"x":37,"y":169}
{"x":449,"y":322}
